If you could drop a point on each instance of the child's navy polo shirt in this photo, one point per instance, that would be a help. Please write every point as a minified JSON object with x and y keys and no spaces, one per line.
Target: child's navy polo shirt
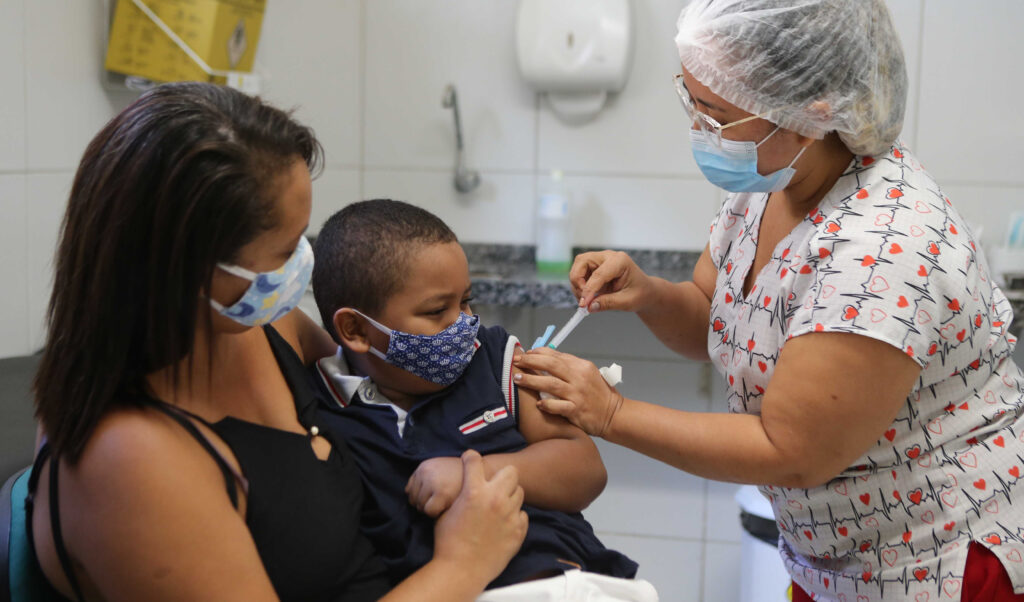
{"x":480,"y":412}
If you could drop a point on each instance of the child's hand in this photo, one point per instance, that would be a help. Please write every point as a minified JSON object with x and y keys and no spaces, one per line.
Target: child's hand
{"x":435,"y":485}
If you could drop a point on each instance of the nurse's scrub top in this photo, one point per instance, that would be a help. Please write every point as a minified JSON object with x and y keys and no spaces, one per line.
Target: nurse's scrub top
{"x":885,"y":255}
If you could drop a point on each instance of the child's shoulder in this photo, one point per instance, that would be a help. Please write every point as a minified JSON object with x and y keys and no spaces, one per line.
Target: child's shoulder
{"x":492,"y":335}
{"x":493,"y":342}
{"x":495,"y":350}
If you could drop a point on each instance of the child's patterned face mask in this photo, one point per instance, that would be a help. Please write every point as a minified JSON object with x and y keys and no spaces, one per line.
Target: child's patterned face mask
{"x":440,"y":358}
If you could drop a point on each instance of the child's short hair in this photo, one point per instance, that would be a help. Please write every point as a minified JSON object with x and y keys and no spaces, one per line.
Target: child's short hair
{"x":362,"y":253}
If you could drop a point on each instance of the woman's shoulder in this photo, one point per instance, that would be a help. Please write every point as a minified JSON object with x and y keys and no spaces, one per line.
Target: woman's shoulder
{"x":143,"y":493}
{"x":307,"y":338}
{"x":893,"y":180}
{"x":134,"y":445}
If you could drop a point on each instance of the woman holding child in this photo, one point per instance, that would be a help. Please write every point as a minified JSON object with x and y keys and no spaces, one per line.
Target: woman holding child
{"x":866,"y":348}
{"x":183,"y":458}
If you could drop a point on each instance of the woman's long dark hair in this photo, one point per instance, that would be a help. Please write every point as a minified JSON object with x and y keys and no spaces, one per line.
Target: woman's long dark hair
{"x":177,"y":182}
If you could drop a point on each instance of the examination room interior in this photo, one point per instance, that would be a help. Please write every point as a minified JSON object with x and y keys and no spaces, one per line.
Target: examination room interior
{"x":369,"y":76}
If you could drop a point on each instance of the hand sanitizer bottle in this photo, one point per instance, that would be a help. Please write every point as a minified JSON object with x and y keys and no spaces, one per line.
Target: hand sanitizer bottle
{"x":554,"y":229}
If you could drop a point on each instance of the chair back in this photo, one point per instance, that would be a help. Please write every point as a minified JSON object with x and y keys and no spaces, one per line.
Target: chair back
{"x":20,"y":577}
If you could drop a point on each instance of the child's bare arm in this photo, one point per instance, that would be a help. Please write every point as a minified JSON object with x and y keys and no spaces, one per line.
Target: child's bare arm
{"x":561,"y":468}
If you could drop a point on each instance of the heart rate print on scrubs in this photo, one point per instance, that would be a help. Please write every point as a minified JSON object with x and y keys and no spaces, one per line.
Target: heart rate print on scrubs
{"x":271,"y":294}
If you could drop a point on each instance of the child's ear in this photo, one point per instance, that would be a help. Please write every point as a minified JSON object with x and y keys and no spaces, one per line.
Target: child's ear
{"x":351,"y":330}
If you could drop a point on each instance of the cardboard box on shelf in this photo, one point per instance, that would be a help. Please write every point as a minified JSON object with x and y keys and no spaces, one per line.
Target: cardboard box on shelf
{"x":220,"y":35}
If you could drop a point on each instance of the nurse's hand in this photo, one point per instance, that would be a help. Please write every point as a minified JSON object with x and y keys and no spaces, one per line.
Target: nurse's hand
{"x":608,"y":280}
{"x":581,"y":394}
{"x":485,"y":526}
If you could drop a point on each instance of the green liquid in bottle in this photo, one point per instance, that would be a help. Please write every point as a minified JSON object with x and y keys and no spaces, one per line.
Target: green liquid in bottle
{"x":554,"y":267}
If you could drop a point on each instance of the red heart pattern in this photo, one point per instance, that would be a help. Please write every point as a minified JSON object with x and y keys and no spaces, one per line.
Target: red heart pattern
{"x":884,"y":255}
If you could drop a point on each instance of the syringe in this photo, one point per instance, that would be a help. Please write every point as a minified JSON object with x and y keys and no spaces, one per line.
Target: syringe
{"x":566,"y":330}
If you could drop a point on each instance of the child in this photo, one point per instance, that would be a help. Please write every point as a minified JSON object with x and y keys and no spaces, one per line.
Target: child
{"x":416,"y":381}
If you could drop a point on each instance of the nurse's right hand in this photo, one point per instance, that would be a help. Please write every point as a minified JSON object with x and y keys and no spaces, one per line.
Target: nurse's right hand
{"x":485,"y":526}
{"x":605,"y":280}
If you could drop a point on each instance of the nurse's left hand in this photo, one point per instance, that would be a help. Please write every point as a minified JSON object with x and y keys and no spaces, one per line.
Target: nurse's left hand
{"x":580,"y":393}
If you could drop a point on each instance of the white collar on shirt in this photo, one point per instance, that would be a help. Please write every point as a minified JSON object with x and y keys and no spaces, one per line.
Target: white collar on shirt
{"x":343,"y":385}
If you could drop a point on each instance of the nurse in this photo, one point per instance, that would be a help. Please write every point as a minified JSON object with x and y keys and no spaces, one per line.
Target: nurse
{"x":847,"y":304}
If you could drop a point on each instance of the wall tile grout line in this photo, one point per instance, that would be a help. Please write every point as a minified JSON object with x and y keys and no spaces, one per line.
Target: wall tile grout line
{"x":920,"y":70}
{"x":537,"y":171}
{"x":704,"y":543}
{"x":536,"y":162}
{"x":27,"y":316}
{"x":363,"y":23}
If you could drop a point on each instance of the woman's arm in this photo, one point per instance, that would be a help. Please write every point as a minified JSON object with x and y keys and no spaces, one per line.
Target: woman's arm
{"x":677,"y":313}
{"x":146,"y":517}
{"x":473,"y":540}
{"x":830,"y":399}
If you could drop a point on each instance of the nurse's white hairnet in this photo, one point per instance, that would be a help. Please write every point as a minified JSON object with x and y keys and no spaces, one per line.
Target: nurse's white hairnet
{"x":818,"y":65}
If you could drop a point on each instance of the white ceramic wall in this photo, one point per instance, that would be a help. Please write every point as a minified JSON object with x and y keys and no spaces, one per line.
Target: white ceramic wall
{"x":368,"y":76}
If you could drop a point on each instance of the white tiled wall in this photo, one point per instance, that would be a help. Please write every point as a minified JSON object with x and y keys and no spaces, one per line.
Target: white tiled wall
{"x":46,"y":193}
{"x":970,"y":92}
{"x":312,"y":56}
{"x":368,"y":75}
{"x":64,"y":102}
{"x":14,"y":248}
{"x":12,"y":93}
{"x":642,"y":130}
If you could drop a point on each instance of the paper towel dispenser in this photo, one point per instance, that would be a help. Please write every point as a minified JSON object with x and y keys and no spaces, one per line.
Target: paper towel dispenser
{"x":575,"y":51}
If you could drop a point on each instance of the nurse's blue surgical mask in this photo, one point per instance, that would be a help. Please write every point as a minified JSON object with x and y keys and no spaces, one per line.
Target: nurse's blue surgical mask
{"x":733,"y":165}
{"x":271,"y":294}
{"x":439,"y":358}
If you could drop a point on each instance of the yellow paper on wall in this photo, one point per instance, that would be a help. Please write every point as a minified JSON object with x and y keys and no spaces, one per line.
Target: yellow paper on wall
{"x":223,"y":33}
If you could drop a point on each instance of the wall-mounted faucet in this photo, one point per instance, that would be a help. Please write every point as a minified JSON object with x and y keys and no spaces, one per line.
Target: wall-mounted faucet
{"x":465,"y":179}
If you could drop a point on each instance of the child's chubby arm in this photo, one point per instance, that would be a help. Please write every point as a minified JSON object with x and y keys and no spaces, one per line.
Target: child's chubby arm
{"x":560,"y":469}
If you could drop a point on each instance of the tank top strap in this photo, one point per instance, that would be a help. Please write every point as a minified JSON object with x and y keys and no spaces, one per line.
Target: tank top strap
{"x":184,"y":418}
{"x":55,"y":527}
{"x":63,"y":557}
{"x":296,"y":374}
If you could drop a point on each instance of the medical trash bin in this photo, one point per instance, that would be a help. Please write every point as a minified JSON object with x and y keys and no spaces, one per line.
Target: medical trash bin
{"x":763,"y":578}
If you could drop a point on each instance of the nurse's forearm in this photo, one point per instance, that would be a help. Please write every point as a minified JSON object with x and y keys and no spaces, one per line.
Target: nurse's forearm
{"x":723,"y":447}
{"x":678,"y":314}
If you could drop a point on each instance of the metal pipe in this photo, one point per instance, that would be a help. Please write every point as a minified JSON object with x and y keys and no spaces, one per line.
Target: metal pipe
{"x":465,"y":179}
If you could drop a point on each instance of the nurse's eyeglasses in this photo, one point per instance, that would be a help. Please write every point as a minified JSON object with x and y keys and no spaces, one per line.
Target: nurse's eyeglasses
{"x":711,"y":128}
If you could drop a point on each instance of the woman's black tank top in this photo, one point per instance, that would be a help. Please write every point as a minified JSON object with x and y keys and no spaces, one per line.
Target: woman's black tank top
{"x":303,"y":512}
